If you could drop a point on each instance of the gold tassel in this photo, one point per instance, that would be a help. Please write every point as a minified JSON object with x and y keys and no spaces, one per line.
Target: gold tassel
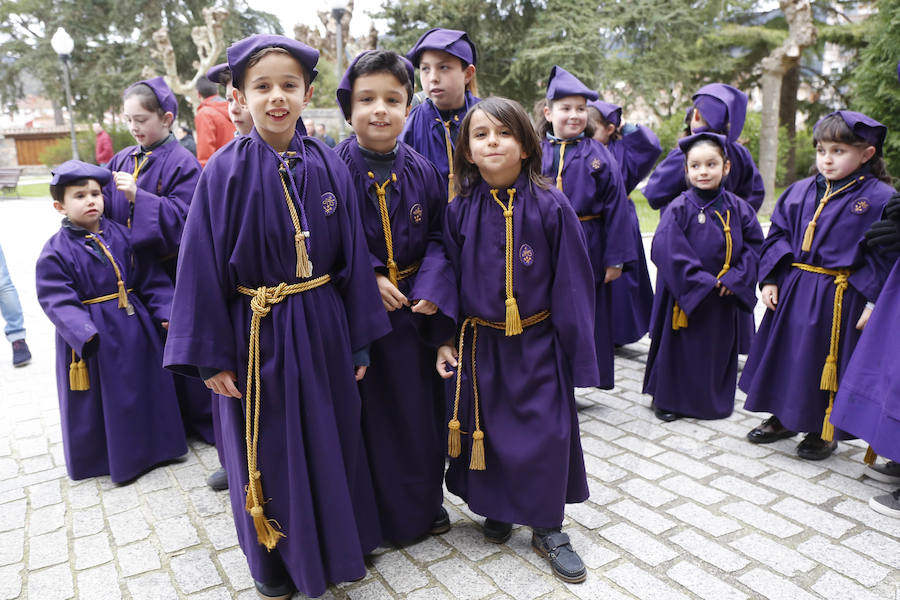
{"x":266,"y":529}
{"x":477,"y":461}
{"x":454,"y":446}
{"x":123,"y":295}
{"x":393,"y":272}
{"x":829,"y":380}
{"x":679,"y":318}
{"x":513,"y":322}
{"x":827,"y":427}
{"x":304,"y":266}
{"x":808,"y":236}
{"x":870,"y":456}
{"x":79,"y":381}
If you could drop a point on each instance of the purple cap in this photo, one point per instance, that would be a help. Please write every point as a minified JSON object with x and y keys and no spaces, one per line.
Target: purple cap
{"x":163,"y":94}
{"x":215,"y":73}
{"x":561,"y":83}
{"x":723,"y":107}
{"x":863,"y":126}
{"x":686,"y":143}
{"x":611,"y":112}
{"x":345,"y":87}
{"x":75,"y":170}
{"x":450,"y":41}
{"x":239,"y":54}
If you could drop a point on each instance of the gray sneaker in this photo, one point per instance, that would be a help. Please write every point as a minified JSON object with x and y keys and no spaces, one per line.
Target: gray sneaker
{"x":889,"y":504}
{"x":888,"y":472}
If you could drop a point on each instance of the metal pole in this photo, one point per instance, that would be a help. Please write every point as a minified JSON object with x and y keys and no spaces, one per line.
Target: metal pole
{"x":65,"y":62}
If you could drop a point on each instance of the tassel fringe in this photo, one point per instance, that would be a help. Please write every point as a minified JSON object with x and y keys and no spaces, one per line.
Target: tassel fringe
{"x":808,"y":236}
{"x":123,"y":295}
{"x":477,"y":461}
{"x":829,"y":380}
{"x":267,"y":530}
{"x":454,"y":446}
{"x":679,"y":318}
{"x":870,"y":456}
{"x":513,"y":321}
{"x":827,"y":427}
{"x":304,"y":266}
{"x":393,"y":273}
{"x":79,"y":381}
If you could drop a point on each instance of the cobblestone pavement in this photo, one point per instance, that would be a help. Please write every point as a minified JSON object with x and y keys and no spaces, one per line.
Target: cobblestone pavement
{"x":681,"y":510}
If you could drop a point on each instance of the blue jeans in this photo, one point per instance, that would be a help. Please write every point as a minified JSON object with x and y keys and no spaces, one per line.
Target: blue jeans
{"x":10,"y":306}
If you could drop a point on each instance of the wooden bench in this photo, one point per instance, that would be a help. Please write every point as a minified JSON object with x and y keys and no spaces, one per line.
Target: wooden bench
{"x":9,"y":179}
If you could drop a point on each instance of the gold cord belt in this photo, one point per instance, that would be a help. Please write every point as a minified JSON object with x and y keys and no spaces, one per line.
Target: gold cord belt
{"x":408,"y":271}
{"x":454,"y":445}
{"x":261,"y":301}
{"x":829,"y":381}
{"x":105,"y":298}
{"x":589,"y":217}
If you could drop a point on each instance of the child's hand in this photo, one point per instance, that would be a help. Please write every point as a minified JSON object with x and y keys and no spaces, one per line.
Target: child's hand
{"x":612,"y":273}
{"x":391,"y":297}
{"x":222,"y":383}
{"x":424,"y":307}
{"x":723,"y":291}
{"x":165,"y":325}
{"x":360,"y":372}
{"x":126,"y":184}
{"x":770,"y":295}
{"x":446,"y":361}
{"x":864,"y":318}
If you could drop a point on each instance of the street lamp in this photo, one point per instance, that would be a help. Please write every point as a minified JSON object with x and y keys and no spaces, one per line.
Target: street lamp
{"x":338,"y":8}
{"x":63,"y":45}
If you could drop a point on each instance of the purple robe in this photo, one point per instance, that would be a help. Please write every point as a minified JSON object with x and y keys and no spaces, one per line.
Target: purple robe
{"x":693,"y":371}
{"x":632,"y":293}
{"x":593,"y":184}
{"x":868,"y":401}
{"x":534,"y":463}
{"x":784,"y":368}
{"x":165,"y":185}
{"x":402,"y":394}
{"x":128,"y":421}
{"x":425,"y":132}
{"x":311,"y":453}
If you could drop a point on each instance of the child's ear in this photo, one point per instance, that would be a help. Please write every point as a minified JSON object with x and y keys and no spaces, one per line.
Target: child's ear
{"x":547,"y":112}
{"x":308,"y":96}
{"x":868,"y":153}
{"x":239,"y":97}
{"x":168,"y":119}
{"x":469,"y":158}
{"x":726,"y":169}
{"x":60,"y":207}
{"x":468,"y":73}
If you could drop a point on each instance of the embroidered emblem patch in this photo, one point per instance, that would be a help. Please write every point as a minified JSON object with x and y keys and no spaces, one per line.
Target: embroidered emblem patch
{"x":596,"y":164}
{"x":416,"y":214}
{"x":860,"y":207}
{"x":329,"y":203}
{"x":526,"y":255}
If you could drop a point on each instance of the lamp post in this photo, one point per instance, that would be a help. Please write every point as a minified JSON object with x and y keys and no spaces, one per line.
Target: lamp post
{"x":338,"y":8}
{"x":63,"y":45}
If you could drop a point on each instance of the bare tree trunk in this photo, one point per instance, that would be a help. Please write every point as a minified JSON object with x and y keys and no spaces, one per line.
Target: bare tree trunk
{"x":801,"y":34}
{"x":787,"y":116}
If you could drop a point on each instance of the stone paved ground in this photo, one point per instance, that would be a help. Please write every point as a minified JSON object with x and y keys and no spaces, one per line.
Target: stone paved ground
{"x":681,"y":510}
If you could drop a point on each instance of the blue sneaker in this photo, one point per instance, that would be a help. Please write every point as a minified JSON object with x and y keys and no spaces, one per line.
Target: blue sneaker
{"x":21,"y":353}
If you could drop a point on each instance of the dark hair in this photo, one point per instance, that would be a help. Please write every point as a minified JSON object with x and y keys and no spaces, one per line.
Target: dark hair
{"x":833,"y":128}
{"x":206,"y":88}
{"x":260,"y":54}
{"x":706,"y":142}
{"x":225,"y":77}
{"x":544,"y":126}
{"x":383,"y":61}
{"x":596,"y":115}
{"x":511,"y":114}
{"x":147,"y":98}
{"x":58,"y":192}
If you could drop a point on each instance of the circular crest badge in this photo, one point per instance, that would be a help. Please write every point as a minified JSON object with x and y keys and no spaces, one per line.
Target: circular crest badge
{"x":416,"y":214}
{"x":596,"y":164}
{"x":526,"y":255}
{"x":860,"y":207}
{"x":329,"y":203}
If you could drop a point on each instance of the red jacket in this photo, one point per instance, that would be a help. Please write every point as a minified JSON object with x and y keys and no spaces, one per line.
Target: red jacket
{"x":214,"y":127}
{"x":103,"y":150}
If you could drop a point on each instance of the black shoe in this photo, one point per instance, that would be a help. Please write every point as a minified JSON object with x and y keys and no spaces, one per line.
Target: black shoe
{"x":814,"y":447}
{"x":759,"y":435}
{"x":663,"y":415}
{"x":564,"y":561}
{"x":21,"y":353}
{"x":218,"y":480}
{"x":497,"y":532}
{"x":274,"y":591}
{"x":441,"y":524}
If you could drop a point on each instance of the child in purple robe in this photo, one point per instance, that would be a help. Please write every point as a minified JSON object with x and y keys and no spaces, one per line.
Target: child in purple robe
{"x":118,"y":408}
{"x":446,"y":62}
{"x":588,"y":175}
{"x":706,"y":250}
{"x":401,"y":201}
{"x":525,"y":340}
{"x":635,"y":149}
{"x":276,"y":293}
{"x":150,"y":192}
{"x":816,"y":278}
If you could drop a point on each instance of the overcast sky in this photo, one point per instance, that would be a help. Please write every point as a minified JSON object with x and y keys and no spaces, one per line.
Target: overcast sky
{"x":304,"y":11}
